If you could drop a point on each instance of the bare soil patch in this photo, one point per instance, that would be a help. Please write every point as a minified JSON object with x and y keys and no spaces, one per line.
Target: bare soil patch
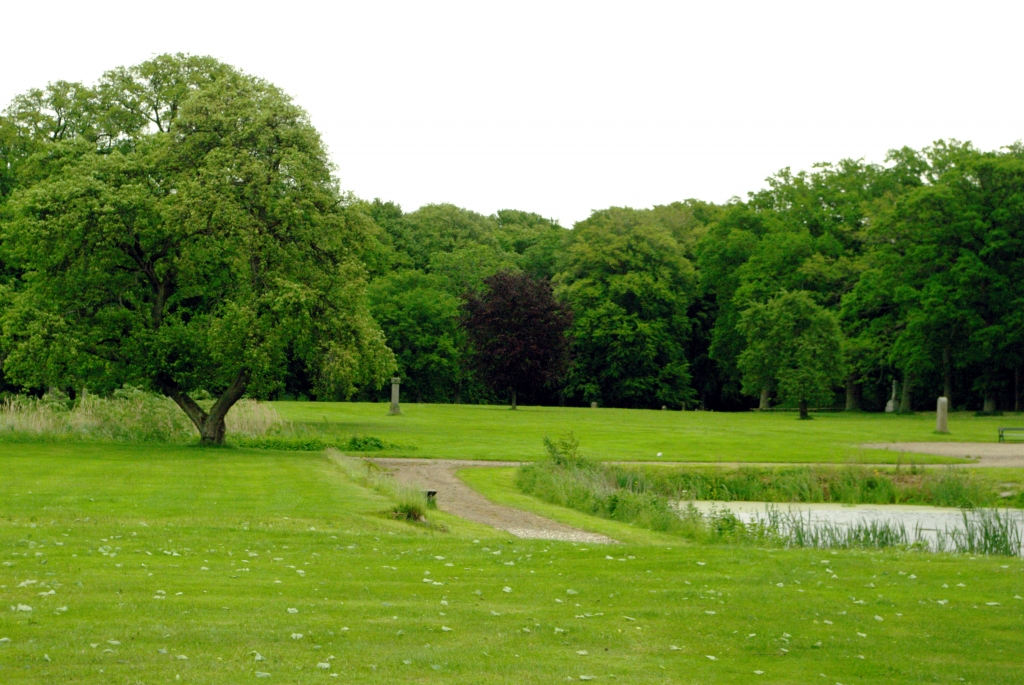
{"x":455,"y":497}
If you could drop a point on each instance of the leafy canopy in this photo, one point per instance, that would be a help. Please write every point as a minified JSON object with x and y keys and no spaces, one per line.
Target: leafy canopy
{"x":194,"y":240}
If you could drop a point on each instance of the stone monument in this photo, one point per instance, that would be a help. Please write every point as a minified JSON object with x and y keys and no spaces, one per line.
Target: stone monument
{"x":891,"y":405}
{"x":942,"y":415}
{"x":395,"y":410}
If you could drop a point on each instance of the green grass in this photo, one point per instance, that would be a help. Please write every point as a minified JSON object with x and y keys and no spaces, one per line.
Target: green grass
{"x":110,"y":528}
{"x":444,"y":431}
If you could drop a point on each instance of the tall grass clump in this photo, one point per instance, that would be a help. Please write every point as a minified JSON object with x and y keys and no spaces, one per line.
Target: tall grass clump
{"x":567,"y":478}
{"x":410,"y":504}
{"x":945,"y":487}
{"x":129,"y":415}
{"x":984,"y":531}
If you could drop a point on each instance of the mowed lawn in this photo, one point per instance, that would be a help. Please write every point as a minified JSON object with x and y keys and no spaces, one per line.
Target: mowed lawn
{"x":146,"y":564}
{"x":445,"y":431}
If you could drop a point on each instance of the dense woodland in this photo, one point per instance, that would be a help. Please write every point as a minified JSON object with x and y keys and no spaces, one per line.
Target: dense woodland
{"x":177,"y":226}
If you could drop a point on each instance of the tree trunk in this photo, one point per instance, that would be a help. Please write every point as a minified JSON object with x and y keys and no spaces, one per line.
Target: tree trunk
{"x":210,"y":425}
{"x":513,"y":399}
{"x":803,"y":410}
{"x":765,"y":400}
{"x":947,"y":377}
{"x":1016,"y":389}
{"x":852,"y":394}
{"x":906,"y":401}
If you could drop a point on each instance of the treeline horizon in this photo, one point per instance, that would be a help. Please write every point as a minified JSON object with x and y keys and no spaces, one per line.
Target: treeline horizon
{"x":919,"y":260}
{"x":178,"y":226}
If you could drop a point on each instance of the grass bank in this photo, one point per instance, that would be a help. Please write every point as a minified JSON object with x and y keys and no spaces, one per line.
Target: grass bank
{"x":152,"y":564}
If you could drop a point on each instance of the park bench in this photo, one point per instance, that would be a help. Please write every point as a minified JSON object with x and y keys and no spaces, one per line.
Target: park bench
{"x":1011,"y":431}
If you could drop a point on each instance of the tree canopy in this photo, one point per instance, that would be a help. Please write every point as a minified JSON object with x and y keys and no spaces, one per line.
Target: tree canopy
{"x":177,"y":226}
{"x":190,"y":238}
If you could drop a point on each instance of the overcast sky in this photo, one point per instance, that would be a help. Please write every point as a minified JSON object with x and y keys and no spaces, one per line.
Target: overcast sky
{"x":565,"y":107}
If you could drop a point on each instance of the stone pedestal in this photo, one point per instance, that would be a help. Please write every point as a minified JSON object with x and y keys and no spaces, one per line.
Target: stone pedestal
{"x":395,"y":410}
{"x":593,"y":405}
{"x":891,"y":406}
{"x":942,"y":415}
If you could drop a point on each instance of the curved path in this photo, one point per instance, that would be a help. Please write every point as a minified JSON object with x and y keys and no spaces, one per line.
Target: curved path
{"x":455,"y":497}
{"x":1005,"y":454}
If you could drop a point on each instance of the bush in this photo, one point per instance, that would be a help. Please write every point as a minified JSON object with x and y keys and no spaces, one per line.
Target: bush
{"x":366,"y":443}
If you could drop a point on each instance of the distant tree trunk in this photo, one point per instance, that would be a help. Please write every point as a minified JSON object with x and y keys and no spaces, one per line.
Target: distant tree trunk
{"x":803,"y":410}
{"x":947,"y":377}
{"x":990,"y":402}
{"x":513,"y":399}
{"x":906,"y":401}
{"x":852,"y":394}
{"x":1016,"y":389}
{"x":765,"y":400}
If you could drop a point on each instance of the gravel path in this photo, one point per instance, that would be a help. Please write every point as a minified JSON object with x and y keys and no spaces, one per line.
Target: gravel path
{"x":455,"y":497}
{"x":985,"y":453}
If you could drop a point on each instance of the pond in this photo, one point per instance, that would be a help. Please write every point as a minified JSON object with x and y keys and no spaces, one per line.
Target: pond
{"x":938,"y":528}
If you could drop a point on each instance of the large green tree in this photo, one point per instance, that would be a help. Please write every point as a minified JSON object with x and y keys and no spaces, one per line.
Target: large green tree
{"x":629,"y":284}
{"x":197,"y":240}
{"x":795,"y":344}
{"x":421,"y":321}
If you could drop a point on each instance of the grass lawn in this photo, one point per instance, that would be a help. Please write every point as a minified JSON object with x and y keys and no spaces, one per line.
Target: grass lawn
{"x":445,"y":431}
{"x":178,"y":565}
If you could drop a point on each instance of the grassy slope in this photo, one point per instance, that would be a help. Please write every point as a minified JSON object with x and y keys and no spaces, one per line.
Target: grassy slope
{"x":65,"y":511}
{"x":491,"y":432}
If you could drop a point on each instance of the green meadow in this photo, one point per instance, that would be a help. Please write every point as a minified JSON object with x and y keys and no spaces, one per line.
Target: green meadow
{"x":156,"y":564}
{"x":446,"y":431}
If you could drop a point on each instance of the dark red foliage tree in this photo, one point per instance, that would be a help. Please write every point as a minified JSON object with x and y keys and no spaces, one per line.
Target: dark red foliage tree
{"x":518,"y":330}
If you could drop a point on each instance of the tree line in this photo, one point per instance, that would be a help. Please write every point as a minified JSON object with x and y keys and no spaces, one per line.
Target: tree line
{"x":178,"y":226}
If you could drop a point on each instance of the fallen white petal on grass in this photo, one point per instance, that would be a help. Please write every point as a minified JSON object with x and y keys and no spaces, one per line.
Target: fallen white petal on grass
{"x":262,"y":674}
{"x":992,"y":604}
{"x":293,"y":611}
{"x":181,"y":657}
{"x":296,"y":636}
{"x":4,"y":640}
{"x":586,"y":677}
{"x":446,"y":629}
{"x":879,"y":618}
{"x":582,"y":652}
{"x":758,"y":672}
{"x":711,"y":658}
{"x":259,"y":657}
{"x":22,"y":607}
{"x":710,"y":613}
{"x":323,"y":665}
{"x":506,"y":589}
{"x":861,"y":634}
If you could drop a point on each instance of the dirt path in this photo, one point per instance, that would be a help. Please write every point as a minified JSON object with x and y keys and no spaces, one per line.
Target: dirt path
{"x":1003,"y":454}
{"x":455,"y":497}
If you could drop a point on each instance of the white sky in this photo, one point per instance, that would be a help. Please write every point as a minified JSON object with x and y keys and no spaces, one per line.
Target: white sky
{"x":565,"y":107}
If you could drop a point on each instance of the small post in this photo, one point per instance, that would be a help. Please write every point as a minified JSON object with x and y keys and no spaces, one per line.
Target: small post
{"x":942,"y":416}
{"x":395,"y":410}
{"x":593,"y":405}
